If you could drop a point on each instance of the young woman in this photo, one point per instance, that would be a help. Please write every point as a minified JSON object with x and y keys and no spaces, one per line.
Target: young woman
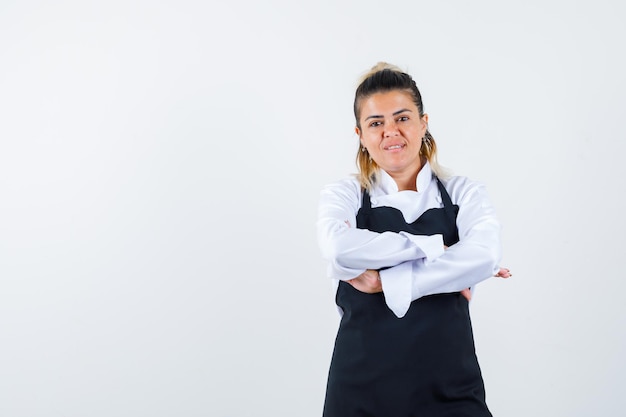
{"x":405,"y":244}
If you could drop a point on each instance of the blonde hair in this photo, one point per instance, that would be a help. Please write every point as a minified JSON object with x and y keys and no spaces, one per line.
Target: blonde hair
{"x":384,"y":77}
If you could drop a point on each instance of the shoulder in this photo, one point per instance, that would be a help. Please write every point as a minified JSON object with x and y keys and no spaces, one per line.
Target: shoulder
{"x":461,"y":188}
{"x":343,"y":196}
{"x":348,"y":186}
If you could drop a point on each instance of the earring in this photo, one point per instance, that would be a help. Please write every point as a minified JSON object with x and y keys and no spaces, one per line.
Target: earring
{"x":363,"y":149}
{"x":426,"y":142}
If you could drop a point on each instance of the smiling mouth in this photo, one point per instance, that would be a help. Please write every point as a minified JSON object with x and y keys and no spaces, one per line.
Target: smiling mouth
{"x":394,"y":147}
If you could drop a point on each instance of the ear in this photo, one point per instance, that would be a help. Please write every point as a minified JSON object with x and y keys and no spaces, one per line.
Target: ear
{"x":425,"y":118}
{"x":357,"y":131}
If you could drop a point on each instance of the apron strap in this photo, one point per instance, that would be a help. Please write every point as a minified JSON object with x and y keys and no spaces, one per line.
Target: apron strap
{"x":447,"y":202}
{"x":366,"y":203}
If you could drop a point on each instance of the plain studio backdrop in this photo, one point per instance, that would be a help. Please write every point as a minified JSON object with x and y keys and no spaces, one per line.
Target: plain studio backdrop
{"x":160,"y":167}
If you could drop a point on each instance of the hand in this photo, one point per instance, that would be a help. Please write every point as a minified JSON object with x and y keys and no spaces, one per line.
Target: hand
{"x":368,"y":282}
{"x":467,"y":293}
{"x":503,"y":273}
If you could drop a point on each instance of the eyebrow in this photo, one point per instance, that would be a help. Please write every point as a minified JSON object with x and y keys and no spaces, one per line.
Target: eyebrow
{"x":377,"y":116}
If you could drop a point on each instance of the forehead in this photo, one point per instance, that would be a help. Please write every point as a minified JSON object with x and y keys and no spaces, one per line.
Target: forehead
{"x":387,"y":102}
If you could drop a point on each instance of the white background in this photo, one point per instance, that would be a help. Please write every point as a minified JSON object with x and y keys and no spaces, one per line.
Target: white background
{"x":160,"y":165}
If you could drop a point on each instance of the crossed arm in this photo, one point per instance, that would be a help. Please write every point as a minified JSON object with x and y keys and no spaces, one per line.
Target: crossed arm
{"x":369,"y":282}
{"x":356,"y":255}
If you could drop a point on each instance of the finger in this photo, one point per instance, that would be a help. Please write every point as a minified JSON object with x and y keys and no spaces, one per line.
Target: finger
{"x":503,"y":273}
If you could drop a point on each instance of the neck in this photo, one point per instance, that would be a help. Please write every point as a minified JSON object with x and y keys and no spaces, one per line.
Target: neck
{"x":406,"y":181}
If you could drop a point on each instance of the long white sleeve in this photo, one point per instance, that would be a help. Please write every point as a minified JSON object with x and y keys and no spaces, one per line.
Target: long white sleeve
{"x":477,"y":254}
{"x":349,"y":250}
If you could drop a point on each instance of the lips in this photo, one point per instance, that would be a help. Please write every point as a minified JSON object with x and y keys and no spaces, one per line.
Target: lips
{"x":394,"y":147}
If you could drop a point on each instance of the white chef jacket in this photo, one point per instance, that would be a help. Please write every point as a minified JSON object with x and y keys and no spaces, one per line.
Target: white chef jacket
{"x":418,"y":265}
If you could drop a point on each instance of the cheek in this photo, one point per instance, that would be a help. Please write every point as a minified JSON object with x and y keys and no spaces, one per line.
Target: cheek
{"x":420,"y":131}
{"x":367,"y":139}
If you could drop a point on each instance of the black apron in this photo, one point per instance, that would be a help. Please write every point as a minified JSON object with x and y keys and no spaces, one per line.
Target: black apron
{"x":421,"y":365}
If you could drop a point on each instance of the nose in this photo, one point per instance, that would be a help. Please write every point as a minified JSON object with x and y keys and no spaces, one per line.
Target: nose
{"x":391,"y":128}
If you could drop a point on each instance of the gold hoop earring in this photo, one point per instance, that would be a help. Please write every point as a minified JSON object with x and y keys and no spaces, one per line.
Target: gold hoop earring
{"x":426,"y":143}
{"x":364,"y":150}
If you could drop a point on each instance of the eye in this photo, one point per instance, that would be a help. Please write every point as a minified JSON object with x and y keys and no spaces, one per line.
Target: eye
{"x":403,"y":118}
{"x":375,"y":123}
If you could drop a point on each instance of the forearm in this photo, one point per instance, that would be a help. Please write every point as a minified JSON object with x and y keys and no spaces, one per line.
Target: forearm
{"x":336,"y":271}
{"x":462,"y":266}
{"x":474,"y":258}
{"x":352,"y":248}
{"x":342,"y":244}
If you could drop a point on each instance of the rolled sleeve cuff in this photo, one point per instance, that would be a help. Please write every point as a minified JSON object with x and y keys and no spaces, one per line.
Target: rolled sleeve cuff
{"x":431,"y":247}
{"x":415,"y":290}
{"x":338,"y":272}
{"x":397,"y":285}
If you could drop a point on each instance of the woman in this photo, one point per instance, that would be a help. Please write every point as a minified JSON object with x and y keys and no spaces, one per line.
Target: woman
{"x":405,"y":244}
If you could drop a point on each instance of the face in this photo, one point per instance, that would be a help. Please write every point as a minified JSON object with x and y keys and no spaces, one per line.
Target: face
{"x":392,"y":131}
